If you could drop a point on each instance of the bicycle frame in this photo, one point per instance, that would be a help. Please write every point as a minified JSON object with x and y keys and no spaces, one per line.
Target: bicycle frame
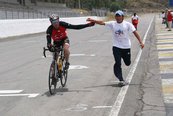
{"x":58,"y":58}
{"x":57,"y":68}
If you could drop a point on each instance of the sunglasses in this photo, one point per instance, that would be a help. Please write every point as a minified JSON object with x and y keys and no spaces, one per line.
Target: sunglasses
{"x":55,"y":21}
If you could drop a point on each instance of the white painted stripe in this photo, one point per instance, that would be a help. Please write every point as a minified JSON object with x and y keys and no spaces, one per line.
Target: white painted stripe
{"x":99,"y":107}
{"x":168,"y":48}
{"x":167,"y":81}
{"x":120,"y":98}
{"x":77,"y":54}
{"x":166,"y":63}
{"x":166,"y":71}
{"x":163,"y":57}
{"x":162,"y":34}
{"x":73,"y":55}
{"x":16,"y":95}
{"x":77,"y":67}
{"x":168,"y":98}
{"x":10,"y":91}
{"x":82,"y":55}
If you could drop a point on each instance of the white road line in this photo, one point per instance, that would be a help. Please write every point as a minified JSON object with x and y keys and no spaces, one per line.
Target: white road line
{"x":10,"y":91}
{"x":168,"y":98}
{"x":16,"y":95}
{"x":162,"y":34}
{"x":120,"y":98}
{"x":167,"y":81}
{"x":99,"y":107}
{"x":72,"y":55}
{"x":77,"y":54}
{"x":82,"y":55}
{"x":77,"y":67}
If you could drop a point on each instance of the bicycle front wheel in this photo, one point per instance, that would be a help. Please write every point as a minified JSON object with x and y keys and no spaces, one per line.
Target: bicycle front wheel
{"x":64,"y":76}
{"x":52,"y":80}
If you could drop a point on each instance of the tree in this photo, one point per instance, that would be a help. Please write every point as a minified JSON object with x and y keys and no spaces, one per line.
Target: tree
{"x":115,"y":6}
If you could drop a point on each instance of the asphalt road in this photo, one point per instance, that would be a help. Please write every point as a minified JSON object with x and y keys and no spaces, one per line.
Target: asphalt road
{"x":91,"y":87}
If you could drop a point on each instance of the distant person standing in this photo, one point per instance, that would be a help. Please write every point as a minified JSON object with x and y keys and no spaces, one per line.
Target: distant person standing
{"x":163,"y":17}
{"x":135,"y":20}
{"x":169,"y":19}
{"x":166,"y":21}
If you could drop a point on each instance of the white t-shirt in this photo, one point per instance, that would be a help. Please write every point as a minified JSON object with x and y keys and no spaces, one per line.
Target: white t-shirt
{"x":121,"y":33}
{"x":135,"y":17}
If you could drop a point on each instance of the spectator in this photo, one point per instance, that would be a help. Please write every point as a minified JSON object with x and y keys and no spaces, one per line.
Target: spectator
{"x":163,"y":17}
{"x":135,"y":20}
{"x":169,"y":19}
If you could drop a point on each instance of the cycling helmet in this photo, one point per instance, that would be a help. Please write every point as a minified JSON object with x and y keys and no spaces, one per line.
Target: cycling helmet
{"x":54,"y":18}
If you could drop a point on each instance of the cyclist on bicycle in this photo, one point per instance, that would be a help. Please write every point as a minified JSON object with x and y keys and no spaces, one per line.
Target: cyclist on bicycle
{"x":57,"y":32}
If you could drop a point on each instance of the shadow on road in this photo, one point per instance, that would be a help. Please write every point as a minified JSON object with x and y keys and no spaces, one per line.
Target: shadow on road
{"x":61,"y":91}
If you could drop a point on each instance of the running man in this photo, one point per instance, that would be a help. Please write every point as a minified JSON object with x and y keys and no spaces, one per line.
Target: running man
{"x":121,"y":42}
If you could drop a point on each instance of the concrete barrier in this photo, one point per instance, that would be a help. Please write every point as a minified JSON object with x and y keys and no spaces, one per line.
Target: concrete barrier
{"x":9,"y":28}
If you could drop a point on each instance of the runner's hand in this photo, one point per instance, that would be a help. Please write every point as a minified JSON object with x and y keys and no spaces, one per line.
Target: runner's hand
{"x":142,"y":45}
{"x":91,"y":24}
{"x":89,"y":19}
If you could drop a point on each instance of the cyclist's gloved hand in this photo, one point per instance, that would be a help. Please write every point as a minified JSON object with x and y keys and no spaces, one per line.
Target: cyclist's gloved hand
{"x":50,"y":47}
{"x":91,"y":24}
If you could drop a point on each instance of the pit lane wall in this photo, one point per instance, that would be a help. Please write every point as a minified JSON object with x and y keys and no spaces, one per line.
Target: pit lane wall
{"x":18,"y":27}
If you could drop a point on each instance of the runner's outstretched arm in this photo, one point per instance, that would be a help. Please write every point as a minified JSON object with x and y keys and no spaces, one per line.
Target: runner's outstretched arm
{"x":96,"y":21}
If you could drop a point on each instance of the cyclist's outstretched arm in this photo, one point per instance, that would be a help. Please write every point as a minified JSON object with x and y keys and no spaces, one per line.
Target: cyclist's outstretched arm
{"x":80,"y":26}
{"x":96,"y":21}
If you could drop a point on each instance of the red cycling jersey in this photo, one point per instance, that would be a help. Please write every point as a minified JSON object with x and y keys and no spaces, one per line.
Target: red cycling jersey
{"x":59,"y":34}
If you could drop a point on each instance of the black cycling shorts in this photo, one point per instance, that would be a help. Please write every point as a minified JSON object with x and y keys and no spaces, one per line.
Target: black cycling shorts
{"x":61,"y":42}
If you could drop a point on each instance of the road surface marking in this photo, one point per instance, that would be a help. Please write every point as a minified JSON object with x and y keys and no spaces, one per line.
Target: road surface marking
{"x":10,"y":91}
{"x":163,"y":34}
{"x":166,"y":54}
{"x":167,"y":82}
{"x":164,"y":41}
{"x":167,"y":89}
{"x":82,"y":55}
{"x":77,"y":54}
{"x":73,"y":55}
{"x":168,"y":98}
{"x":78,"y":108}
{"x":100,"y":107}
{"x":77,"y":67}
{"x":166,"y":66}
{"x":164,"y":47}
{"x":120,"y":98}
{"x":16,"y":95}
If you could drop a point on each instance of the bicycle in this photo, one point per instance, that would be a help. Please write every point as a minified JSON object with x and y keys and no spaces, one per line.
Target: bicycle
{"x":58,"y":69}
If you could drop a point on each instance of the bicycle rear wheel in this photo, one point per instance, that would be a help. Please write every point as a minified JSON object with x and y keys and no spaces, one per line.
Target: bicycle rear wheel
{"x":52,"y":80}
{"x":64,"y":75}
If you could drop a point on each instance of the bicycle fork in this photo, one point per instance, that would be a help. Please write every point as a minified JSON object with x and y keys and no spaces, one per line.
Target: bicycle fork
{"x":56,"y":71}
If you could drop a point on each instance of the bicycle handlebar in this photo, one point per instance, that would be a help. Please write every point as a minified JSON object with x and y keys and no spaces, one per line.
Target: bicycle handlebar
{"x":56,"y":49}
{"x":44,"y":51}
